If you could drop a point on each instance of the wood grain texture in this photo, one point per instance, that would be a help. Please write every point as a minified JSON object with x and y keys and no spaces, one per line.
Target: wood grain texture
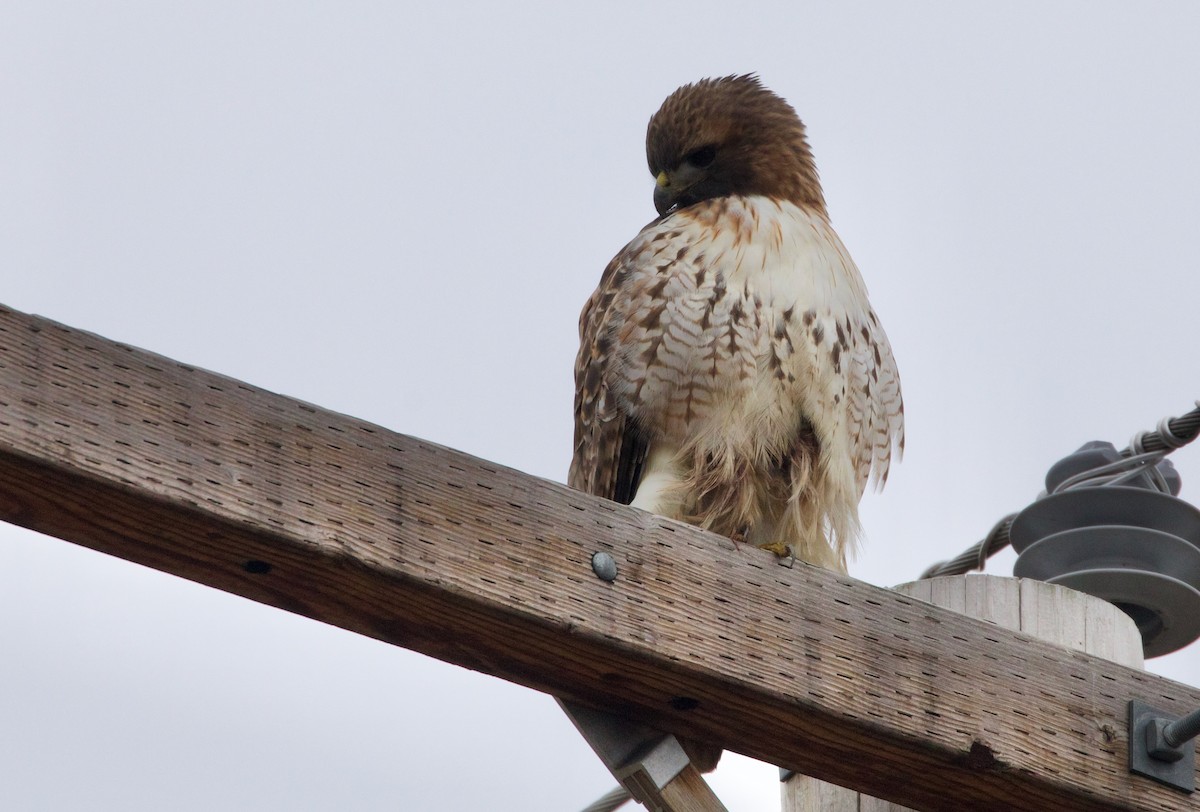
{"x":1049,"y":612}
{"x":281,"y":502}
{"x":801,"y":793}
{"x":688,"y":792}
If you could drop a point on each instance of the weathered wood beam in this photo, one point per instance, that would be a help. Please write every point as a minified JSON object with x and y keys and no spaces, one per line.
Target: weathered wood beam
{"x":320,"y":514}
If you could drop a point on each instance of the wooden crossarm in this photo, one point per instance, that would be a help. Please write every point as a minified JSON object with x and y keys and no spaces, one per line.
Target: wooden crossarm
{"x":348,"y":523}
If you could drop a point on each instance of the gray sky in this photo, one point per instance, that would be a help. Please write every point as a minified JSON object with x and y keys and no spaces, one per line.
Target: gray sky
{"x":397,"y":213}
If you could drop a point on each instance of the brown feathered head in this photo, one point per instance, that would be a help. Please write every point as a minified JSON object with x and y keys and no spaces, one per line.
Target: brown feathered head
{"x":729,"y":136}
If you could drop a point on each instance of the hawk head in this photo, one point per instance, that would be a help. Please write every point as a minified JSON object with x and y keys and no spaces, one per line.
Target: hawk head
{"x":729,"y":136}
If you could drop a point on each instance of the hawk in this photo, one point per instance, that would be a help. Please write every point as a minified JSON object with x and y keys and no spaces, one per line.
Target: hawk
{"x":731,"y":372}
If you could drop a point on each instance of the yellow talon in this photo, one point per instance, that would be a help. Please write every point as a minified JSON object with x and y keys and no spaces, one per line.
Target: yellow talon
{"x":779,"y":548}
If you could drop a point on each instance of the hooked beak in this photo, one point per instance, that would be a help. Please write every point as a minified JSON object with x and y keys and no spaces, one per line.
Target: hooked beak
{"x":681,"y":186}
{"x":664,"y":194}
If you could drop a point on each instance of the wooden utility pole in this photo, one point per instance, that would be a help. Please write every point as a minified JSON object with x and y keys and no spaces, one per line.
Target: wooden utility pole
{"x":428,"y":548}
{"x":1048,"y":612}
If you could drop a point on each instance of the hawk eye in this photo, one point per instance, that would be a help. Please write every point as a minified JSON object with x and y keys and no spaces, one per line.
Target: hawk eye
{"x":702,"y":157}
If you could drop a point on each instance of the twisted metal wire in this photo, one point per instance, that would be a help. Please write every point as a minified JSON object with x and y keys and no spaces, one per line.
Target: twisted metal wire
{"x":1145,"y":451}
{"x":610,"y":800}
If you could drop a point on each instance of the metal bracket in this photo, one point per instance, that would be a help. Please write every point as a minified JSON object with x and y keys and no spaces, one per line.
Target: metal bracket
{"x":642,"y":759}
{"x":1151,"y":755}
{"x":652,"y":766}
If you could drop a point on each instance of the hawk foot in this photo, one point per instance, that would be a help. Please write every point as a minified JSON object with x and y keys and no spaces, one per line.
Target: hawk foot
{"x":782,"y":551}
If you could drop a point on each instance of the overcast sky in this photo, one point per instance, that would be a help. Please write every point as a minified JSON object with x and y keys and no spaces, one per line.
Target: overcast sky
{"x":397,"y":212}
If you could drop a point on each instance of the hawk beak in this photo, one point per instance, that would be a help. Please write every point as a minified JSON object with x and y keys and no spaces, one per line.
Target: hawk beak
{"x":679,"y":186}
{"x":664,"y":195}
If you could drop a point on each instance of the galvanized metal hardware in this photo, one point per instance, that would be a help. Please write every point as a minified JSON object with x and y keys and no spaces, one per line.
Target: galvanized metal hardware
{"x":1162,"y":746}
{"x":644,"y":760}
{"x":604,"y":565}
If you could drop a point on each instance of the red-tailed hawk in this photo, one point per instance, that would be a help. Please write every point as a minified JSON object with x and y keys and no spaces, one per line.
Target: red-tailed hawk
{"x":731,"y":371}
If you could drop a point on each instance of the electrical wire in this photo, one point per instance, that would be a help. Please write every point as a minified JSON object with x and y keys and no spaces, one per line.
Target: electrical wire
{"x":610,"y":800}
{"x":1146,"y":450}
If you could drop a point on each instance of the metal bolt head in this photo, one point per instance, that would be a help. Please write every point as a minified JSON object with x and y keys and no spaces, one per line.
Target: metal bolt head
{"x":1157,"y":744}
{"x":605,"y":566}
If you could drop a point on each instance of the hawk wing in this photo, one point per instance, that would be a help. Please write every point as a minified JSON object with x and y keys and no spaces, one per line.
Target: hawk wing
{"x":858,"y":358}
{"x":876,"y":408}
{"x":610,"y":451}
